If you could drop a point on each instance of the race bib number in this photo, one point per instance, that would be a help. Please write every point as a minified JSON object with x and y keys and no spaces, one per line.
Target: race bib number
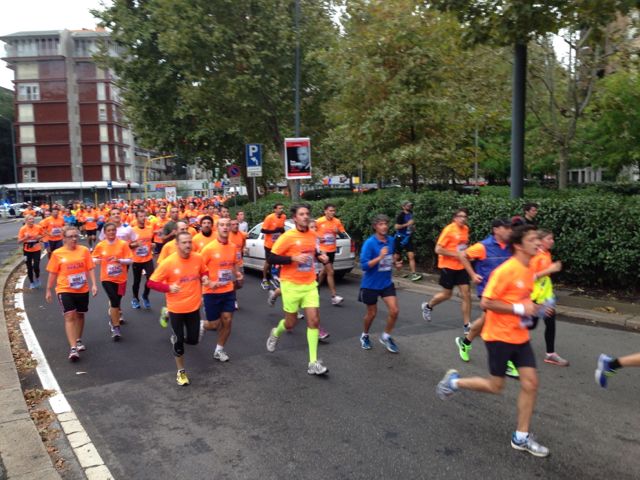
{"x":101,"y":218}
{"x":192,"y":220}
{"x":275,"y":236}
{"x":329,"y":239}
{"x":114,"y":269}
{"x":307,"y":266}
{"x":386,"y":264}
{"x":77,"y":281}
{"x":142,"y":251}
{"x":56,"y":231}
{"x":90,"y":219}
{"x":462,"y":246}
{"x":225,"y":276}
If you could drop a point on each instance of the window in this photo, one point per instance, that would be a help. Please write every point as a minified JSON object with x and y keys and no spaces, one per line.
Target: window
{"x":29,"y":175}
{"x":28,"y":155}
{"x":102,"y":112}
{"x":106,"y":172}
{"x":25,"y":112}
{"x":104,"y":154}
{"x":26,"y":70}
{"x":104,"y":133}
{"x":101,"y":92}
{"x":27,"y":134}
{"x":28,"y":91}
{"x":27,"y":48}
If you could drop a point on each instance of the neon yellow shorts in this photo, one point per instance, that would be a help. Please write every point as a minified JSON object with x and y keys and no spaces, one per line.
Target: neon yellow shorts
{"x":296,"y":296}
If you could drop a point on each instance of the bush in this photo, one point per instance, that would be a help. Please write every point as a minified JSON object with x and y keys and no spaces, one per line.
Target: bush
{"x":323,"y":193}
{"x":236,"y":201}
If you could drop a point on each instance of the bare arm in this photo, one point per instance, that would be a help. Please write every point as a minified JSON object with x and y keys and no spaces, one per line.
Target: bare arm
{"x":445,"y":253}
{"x":499,"y":306}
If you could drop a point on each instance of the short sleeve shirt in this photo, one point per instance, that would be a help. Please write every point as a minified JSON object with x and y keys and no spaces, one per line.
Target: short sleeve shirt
{"x":453,"y":239}
{"x":31,"y":233}
{"x":328,"y":232}
{"x":111,"y":270}
{"x":271,"y":222}
{"x":186,"y":272}
{"x":144,"y":237}
{"x":221,"y":261}
{"x":292,"y":243}
{"x":72,"y":268}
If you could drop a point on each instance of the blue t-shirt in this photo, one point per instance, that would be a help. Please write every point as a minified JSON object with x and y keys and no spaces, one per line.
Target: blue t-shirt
{"x":377,"y":277}
{"x":69,"y":219}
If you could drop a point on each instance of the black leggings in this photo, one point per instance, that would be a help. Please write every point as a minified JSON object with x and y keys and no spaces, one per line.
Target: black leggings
{"x":137,"y":276}
{"x":550,"y":332}
{"x":33,"y":264}
{"x":186,"y":328}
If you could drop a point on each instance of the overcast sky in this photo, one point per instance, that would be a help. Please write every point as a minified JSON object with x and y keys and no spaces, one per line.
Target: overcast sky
{"x":29,"y":15}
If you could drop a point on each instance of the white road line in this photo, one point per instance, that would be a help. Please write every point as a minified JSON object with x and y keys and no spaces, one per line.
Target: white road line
{"x":88,"y":456}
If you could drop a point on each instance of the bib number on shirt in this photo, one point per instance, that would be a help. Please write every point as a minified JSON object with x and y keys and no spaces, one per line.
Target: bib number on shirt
{"x":56,"y":231}
{"x":306,"y":266}
{"x":114,"y":269}
{"x":462,"y":247}
{"x":77,"y":281}
{"x":386,"y":264}
{"x":225,"y":276}
{"x":142,"y":251}
{"x":329,"y":239}
{"x":275,"y":236}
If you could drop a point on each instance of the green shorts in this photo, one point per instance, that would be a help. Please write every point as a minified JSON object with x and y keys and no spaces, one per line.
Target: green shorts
{"x":296,"y":296}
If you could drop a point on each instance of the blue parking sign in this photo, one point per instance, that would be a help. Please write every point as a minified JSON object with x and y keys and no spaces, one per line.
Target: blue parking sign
{"x":254,"y":159}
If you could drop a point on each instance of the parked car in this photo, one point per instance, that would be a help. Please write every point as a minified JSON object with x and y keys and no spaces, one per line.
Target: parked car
{"x":15,"y":210}
{"x":254,"y":250}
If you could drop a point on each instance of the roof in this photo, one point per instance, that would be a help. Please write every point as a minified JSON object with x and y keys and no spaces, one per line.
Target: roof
{"x":41,"y":33}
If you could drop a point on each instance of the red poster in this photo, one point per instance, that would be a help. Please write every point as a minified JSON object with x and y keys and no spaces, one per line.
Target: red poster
{"x":297,"y":158}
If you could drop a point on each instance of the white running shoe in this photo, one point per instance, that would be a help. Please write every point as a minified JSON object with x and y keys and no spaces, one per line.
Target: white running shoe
{"x":272,"y":298}
{"x":221,"y":355}
{"x":336,"y":300}
{"x":272,"y":341}
{"x":317,"y":368}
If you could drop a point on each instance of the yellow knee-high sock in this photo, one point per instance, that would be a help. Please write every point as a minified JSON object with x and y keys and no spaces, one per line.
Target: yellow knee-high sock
{"x":312,"y":340}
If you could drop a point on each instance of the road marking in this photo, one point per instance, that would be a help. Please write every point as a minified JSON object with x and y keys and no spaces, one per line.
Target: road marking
{"x":88,"y":457}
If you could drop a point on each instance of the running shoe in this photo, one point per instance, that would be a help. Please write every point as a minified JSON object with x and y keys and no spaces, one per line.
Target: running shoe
{"x":604,"y":370}
{"x":323,"y":334}
{"x":467,"y":328}
{"x":463,"y":349}
{"x":317,"y":368}
{"x":512,"y":371}
{"x":271,"y":301}
{"x":32,"y":285}
{"x":529,"y":445}
{"x":182,"y":379}
{"x":426,"y":311}
{"x":146,"y":304}
{"x":272,"y":341}
{"x":336,"y":300}
{"x":221,"y":355}
{"x":300,"y":315}
{"x":135,"y":303}
{"x":80,"y":346}
{"x":275,"y":283}
{"x":365,"y":343}
{"x":235,"y":305}
{"x":164,"y":317}
{"x":73,"y":354}
{"x":415,"y":277}
{"x":389,"y":344}
{"x":115,"y":333}
{"x":265,"y":284}
{"x":122,"y":320}
{"x":445,"y":389}
{"x":555,"y":359}
{"x":202,"y":330}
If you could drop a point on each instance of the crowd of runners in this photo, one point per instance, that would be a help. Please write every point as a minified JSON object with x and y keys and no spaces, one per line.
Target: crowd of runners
{"x":192,"y":252}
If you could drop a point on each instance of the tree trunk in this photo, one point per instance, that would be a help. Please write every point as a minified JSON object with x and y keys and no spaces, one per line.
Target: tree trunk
{"x":563,"y":170}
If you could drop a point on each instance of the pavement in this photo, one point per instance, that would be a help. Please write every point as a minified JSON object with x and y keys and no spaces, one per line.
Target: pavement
{"x":240,"y":422}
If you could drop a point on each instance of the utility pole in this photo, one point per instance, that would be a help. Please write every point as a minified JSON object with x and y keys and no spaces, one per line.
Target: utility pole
{"x":295,"y":185}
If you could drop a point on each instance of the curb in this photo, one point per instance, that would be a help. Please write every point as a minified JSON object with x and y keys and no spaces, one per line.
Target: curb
{"x":21,"y":450}
{"x":571,"y":314}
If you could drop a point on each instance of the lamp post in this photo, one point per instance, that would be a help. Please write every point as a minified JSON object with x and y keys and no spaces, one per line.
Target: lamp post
{"x":13,"y":153}
{"x":295,"y":190}
{"x":146,"y":168}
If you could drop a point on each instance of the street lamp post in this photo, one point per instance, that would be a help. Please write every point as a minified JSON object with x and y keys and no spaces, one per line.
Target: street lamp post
{"x":295,"y":191}
{"x":13,"y":153}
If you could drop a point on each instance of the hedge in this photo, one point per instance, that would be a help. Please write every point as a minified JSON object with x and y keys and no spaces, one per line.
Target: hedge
{"x":597,"y":236}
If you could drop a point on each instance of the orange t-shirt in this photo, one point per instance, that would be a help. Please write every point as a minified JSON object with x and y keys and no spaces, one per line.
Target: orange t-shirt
{"x":327,"y":233}
{"x":53,"y":227}
{"x":168,"y":248}
{"x":294,"y":242}
{"x":187,"y":273}
{"x":200,"y":241}
{"x":191,"y":216}
{"x":29,"y":211}
{"x":271,"y":222}
{"x":91,"y":220}
{"x":220,"y":260}
{"x":511,"y":282}
{"x":109,"y":253}
{"x":477,"y":251}
{"x":239,"y":238}
{"x":452,"y":239}
{"x":144,"y":251}
{"x":540,"y":262}
{"x":72,"y":267}
{"x":31,"y":233}
{"x":103,"y":214}
{"x":158,"y":225}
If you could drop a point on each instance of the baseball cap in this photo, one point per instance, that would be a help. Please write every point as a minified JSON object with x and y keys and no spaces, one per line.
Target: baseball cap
{"x":407,"y":202}
{"x":501,"y":222}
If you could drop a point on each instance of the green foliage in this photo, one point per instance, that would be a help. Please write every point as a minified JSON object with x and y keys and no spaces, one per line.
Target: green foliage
{"x":321,"y":193}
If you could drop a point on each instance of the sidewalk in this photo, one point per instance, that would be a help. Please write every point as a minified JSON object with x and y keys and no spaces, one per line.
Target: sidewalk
{"x":22,"y":453}
{"x":570,"y":307}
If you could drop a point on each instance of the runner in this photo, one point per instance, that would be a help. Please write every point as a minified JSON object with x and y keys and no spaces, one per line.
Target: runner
{"x":142,"y":259}
{"x":608,"y":366}
{"x":113,"y":255}
{"x":328,"y":229}
{"x":206,"y":234}
{"x":243,"y":225}
{"x":296,"y":251}
{"x":272,"y":227}
{"x":404,"y":227}
{"x":124,"y":231}
{"x":376,"y":261}
{"x":172,"y":245}
{"x":221,"y":260}
{"x":53,"y":227}
{"x":509,"y":312}
{"x":91,"y":225}
{"x":453,"y":239}
{"x":29,"y":236}
{"x":158,"y":226}
{"x":181,"y":277}
{"x":68,"y":267}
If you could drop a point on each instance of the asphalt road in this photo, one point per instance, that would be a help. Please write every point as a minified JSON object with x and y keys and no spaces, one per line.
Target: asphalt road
{"x":374,"y":416}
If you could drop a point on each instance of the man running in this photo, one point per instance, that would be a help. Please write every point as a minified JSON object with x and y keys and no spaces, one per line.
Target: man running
{"x":142,"y":248}
{"x":376,"y":261}
{"x":124,"y":231}
{"x":206,"y":234}
{"x":181,"y":277}
{"x":242,"y":224}
{"x":29,"y":237}
{"x":608,"y":366}
{"x":221,"y":260}
{"x":91,"y":225}
{"x":404,"y":227}
{"x":172,"y":245}
{"x":158,"y":226}
{"x":272,"y":227}
{"x":328,"y":229}
{"x":296,"y":251}
{"x":453,"y":239}
{"x":68,"y":267}
{"x":509,"y":312}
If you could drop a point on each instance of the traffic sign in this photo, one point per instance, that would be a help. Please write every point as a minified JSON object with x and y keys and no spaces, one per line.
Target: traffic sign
{"x":254,"y":159}
{"x":233,"y":171}
{"x":109,"y":184}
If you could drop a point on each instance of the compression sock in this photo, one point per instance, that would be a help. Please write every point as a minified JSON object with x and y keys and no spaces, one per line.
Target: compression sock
{"x":312,"y":340}
{"x":280,"y":329}
{"x":466,"y":341}
{"x":615,"y":364}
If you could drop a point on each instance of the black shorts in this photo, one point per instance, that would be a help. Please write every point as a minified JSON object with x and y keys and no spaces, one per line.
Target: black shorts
{"x":331,"y":256}
{"x":186,"y":328}
{"x":216,"y":303}
{"x":398,"y":246}
{"x":450,"y":278}
{"x":115,"y":292}
{"x":74,"y":302}
{"x":500,"y":353}
{"x":90,"y":233}
{"x":370,"y":296}
{"x":267,"y":253}
{"x":157,"y":247}
{"x":55,"y":244}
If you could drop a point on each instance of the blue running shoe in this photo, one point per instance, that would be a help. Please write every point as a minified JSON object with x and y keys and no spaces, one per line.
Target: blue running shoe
{"x":146,"y":303}
{"x":389,"y":344}
{"x":445,"y":389}
{"x":604,"y":370}
{"x":365,"y":343}
{"x":135,"y":303}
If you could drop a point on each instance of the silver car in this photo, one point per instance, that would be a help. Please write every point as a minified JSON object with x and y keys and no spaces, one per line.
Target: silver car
{"x":254,"y":250}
